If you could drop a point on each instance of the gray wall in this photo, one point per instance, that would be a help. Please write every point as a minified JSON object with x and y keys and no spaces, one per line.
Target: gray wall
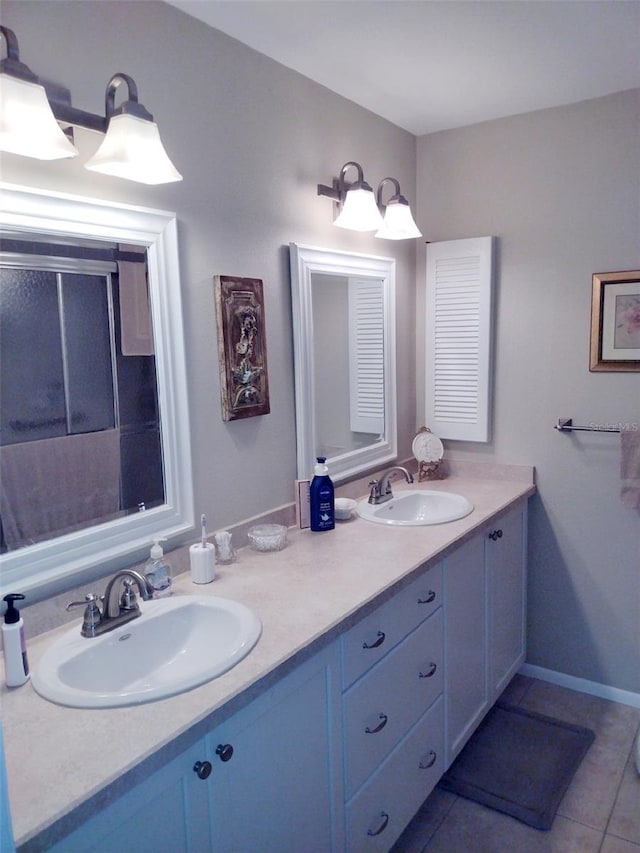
{"x":560,"y":189}
{"x":252,"y":140}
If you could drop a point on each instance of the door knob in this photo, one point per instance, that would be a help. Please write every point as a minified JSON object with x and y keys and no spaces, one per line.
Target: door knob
{"x":202,"y":769}
{"x":225,"y":751}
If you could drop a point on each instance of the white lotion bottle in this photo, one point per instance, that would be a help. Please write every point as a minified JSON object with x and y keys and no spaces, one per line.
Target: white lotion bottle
{"x":14,"y":646}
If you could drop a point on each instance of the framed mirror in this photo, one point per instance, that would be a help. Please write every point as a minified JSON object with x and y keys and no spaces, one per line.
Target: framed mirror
{"x":344,"y":350}
{"x":94,"y":435}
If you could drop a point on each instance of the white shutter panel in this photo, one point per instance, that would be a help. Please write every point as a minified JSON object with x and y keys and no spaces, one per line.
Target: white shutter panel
{"x":458,"y":345}
{"x":366,"y":355}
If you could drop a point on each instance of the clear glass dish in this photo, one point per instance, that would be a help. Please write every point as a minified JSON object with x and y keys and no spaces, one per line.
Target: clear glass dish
{"x":267,"y":537}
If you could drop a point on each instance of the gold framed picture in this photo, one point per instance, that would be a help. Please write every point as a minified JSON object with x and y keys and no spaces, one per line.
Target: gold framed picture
{"x":242,"y":347}
{"x":615,"y":321}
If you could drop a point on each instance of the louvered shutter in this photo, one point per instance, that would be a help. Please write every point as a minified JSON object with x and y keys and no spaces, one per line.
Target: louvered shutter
{"x":366,"y":355}
{"x":458,"y":345}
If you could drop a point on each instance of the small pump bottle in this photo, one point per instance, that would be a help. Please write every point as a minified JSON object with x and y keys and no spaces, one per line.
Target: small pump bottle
{"x":158,"y":571}
{"x":13,"y":643}
{"x":321,"y":497}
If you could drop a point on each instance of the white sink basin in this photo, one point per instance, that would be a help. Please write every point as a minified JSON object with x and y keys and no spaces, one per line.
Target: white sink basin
{"x":177,"y":643}
{"x":413,"y":508}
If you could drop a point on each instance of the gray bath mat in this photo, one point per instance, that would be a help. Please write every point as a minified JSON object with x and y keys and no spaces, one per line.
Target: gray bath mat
{"x":520,"y":763}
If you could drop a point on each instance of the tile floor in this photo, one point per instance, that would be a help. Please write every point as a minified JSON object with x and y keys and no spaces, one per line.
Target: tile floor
{"x":600,"y":813}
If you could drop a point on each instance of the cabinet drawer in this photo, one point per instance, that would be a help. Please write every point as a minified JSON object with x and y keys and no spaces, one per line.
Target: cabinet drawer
{"x":378,"y":814}
{"x":388,"y":700}
{"x":372,"y":638}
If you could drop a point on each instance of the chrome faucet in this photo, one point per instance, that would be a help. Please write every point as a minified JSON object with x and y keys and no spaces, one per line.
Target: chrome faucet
{"x":120,"y":603}
{"x":115,"y":604}
{"x":381,"y":490}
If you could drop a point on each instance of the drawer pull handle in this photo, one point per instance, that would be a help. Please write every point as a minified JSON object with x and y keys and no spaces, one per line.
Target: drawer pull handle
{"x":379,"y":641}
{"x":495,"y":534}
{"x":384,"y":820}
{"x":431,"y":671}
{"x":431,"y":596}
{"x":430,"y":761}
{"x":383,"y":722}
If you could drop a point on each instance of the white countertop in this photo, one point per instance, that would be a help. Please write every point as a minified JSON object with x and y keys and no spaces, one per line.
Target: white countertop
{"x":304,"y":595}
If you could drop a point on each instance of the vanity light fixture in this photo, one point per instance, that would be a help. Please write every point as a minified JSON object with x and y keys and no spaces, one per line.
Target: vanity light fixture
{"x":356,"y":201}
{"x":359,"y":208}
{"x":132,"y":148}
{"x":31,"y":117}
{"x":27,"y":123}
{"x":398,"y":221}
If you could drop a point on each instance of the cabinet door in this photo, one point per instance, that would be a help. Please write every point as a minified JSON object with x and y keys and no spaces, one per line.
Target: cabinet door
{"x":280,"y":789}
{"x":465,"y":644}
{"x":166,"y":812}
{"x":505,"y":545}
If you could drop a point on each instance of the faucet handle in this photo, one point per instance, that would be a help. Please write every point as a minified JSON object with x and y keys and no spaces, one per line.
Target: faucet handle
{"x":128,"y":600}
{"x":92,"y":614}
{"x":375,"y":493}
{"x":90,"y":601}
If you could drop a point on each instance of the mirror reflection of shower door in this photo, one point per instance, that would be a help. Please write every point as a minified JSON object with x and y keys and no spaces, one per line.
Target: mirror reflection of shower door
{"x":79,"y":425}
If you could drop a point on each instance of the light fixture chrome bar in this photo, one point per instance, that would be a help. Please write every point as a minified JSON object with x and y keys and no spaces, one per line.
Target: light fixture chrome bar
{"x":60,"y":101}
{"x":72,"y":116}
{"x":330,"y":192}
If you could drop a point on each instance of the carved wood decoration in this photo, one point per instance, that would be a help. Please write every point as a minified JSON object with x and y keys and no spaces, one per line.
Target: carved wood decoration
{"x":242,"y":347}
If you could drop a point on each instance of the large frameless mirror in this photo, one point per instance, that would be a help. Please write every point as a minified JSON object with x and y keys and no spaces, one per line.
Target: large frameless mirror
{"x":94,"y":433}
{"x":344,"y":346}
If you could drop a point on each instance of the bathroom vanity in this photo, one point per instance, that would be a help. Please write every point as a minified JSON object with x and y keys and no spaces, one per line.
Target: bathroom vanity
{"x":382,"y":649}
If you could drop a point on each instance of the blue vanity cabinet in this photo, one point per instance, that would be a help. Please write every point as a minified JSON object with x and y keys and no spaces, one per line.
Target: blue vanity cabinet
{"x":268,"y":779}
{"x":392,"y":713}
{"x":484,"y":605}
{"x":466,"y":647}
{"x":169,"y":811}
{"x":276,"y":781}
{"x":505,"y":545}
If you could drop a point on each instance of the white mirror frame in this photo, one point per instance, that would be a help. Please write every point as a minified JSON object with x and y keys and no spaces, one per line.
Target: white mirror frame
{"x":305,"y":261}
{"x":59,"y":563}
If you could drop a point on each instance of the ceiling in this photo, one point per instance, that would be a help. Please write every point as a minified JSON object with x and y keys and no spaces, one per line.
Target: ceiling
{"x":430,"y":65}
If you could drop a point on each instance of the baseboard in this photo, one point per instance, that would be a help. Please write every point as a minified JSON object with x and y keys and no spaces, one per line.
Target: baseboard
{"x":614,"y":694}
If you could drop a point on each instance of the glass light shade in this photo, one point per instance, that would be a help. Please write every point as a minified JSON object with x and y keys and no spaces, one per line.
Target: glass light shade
{"x":132,"y":149}
{"x":359,"y":211}
{"x":27,"y":125}
{"x":398,"y":223}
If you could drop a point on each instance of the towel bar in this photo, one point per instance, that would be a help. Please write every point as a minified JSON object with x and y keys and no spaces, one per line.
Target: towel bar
{"x":566,"y":425}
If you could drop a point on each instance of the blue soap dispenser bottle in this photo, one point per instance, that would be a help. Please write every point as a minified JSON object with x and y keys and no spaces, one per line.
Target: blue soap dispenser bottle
{"x":321,"y":497}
